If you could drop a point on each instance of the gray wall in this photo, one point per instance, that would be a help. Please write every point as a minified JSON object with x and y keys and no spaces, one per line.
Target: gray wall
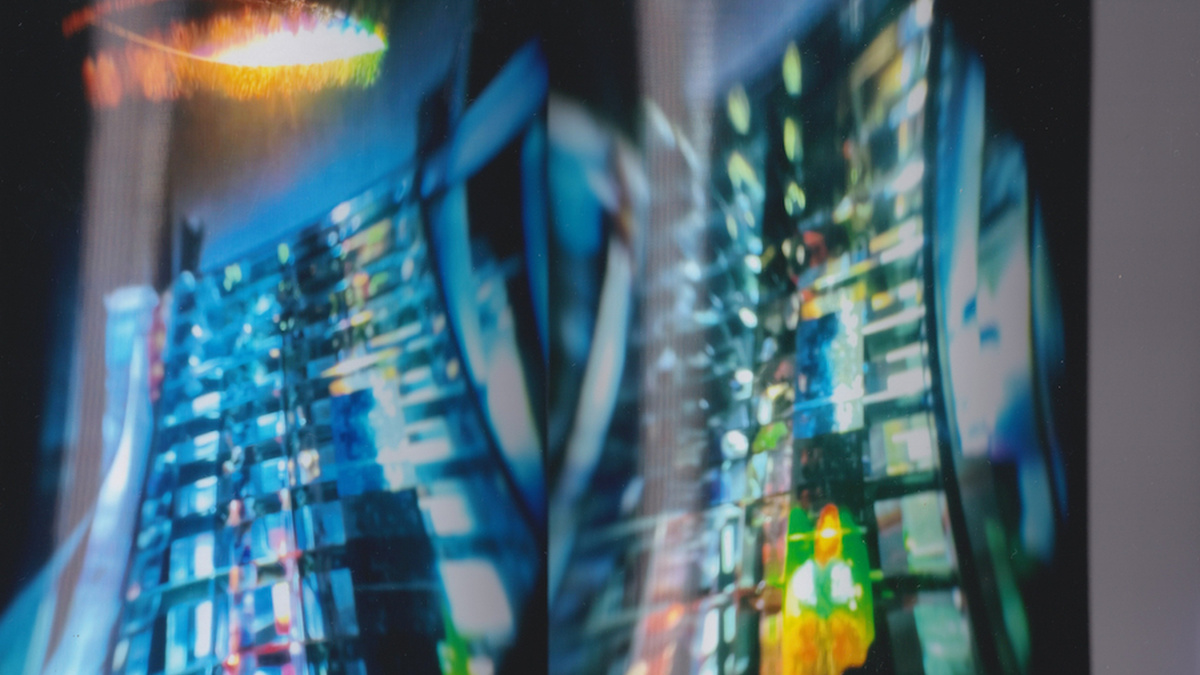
{"x":1145,"y":332}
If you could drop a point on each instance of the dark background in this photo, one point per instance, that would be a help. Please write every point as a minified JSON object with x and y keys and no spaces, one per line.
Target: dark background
{"x":45,"y":134}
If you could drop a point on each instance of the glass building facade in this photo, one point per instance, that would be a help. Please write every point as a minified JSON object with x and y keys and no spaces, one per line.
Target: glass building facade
{"x":843,"y":340}
{"x":671,"y":337}
{"x":323,"y":495}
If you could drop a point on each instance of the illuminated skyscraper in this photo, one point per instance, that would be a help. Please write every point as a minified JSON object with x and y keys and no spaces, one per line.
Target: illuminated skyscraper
{"x":323,"y":494}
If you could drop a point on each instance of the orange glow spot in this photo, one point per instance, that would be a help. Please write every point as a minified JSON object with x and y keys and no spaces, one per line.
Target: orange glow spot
{"x":829,"y":534}
{"x":248,"y":55}
{"x":102,"y":81}
{"x":674,"y":615}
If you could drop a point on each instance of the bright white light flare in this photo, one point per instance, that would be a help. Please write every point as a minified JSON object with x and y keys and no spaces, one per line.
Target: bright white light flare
{"x":321,"y":43}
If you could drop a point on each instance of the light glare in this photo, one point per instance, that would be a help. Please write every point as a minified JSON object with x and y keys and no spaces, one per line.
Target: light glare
{"x":321,"y":43}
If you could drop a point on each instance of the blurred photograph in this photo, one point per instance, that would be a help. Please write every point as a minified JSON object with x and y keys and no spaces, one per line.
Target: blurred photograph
{"x":845,"y":393}
{"x":457,"y":337}
{"x":300,"y":426}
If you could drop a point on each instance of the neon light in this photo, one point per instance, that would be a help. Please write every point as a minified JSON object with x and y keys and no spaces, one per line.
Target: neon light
{"x":902,"y":250}
{"x":909,"y":177}
{"x":449,"y":515}
{"x":827,"y":614}
{"x":674,"y":615}
{"x":281,"y":600}
{"x":791,"y":69}
{"x":204,"y":625}
{"x":709,"y":634}
{"x":341,"y":212}
{"x":202,"y":556}
{"x":748,"y":317}
{"x":916,"y":98}
{"x":727,"y":544}
{"x":924,"y":13}
{"x":742,"y":175}
{"x":904,"y":353}
{"x":249,"y":55}
{"x":791,"y":139}
{"x":794,"y":201}
{"x":897,"y":319}
{"x":306,"y":47}
{"x":357,"y":363}
{"x":478,"y":601}
{"x":481,"y":665}
{"x":738,"y":105}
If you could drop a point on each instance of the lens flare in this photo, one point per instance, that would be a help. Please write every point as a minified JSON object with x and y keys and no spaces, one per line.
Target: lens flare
{"x":251,"y":54}
{"x":306,"y":47}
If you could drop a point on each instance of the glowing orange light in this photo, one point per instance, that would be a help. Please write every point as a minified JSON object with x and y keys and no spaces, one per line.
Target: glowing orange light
{"x":674,"y":615}
{"x":102,"y":80}
{"x":829,"y":534}
{"x":80,"y":19}
{"x":256,"y":53}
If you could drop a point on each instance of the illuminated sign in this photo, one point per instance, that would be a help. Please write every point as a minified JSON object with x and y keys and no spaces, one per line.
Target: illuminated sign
{"x":251,"y":54}
{"x":828,"y":619}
